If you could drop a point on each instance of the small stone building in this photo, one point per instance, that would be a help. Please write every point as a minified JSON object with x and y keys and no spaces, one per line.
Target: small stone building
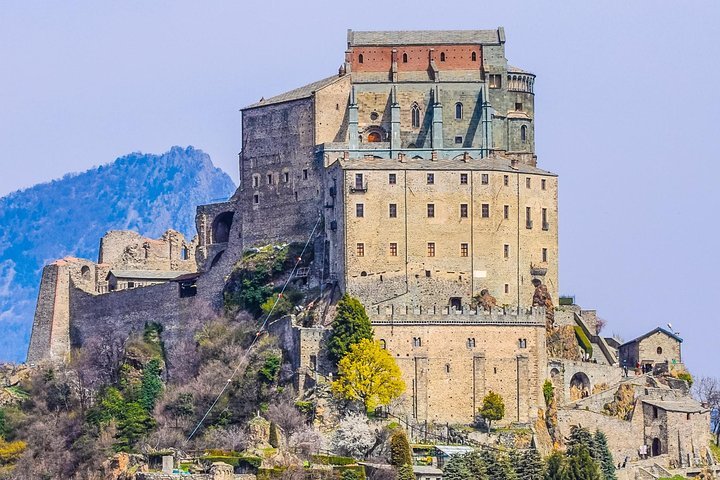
{"x":655,"y":348}
{"x":674,"y":427}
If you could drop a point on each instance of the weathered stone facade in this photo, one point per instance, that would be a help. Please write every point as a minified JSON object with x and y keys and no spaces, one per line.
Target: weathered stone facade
{"x":654,"y":348}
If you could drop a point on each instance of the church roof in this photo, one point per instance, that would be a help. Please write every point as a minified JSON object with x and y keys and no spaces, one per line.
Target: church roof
{"x":653,"y":332}
{"x":426,"y":37}
{"x":305,"y":91}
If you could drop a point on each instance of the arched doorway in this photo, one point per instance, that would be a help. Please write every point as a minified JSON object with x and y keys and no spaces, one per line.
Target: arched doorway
{"x":221,"y":227}
{"x":656,"y":447}
{"x":579,"y":386}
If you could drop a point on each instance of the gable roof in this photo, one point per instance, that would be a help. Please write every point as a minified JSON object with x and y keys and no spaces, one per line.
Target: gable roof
{"x":653,"y":332}
{"x":426,"y":37}
{"x":687,"y":405}
{"x":305,"y":91}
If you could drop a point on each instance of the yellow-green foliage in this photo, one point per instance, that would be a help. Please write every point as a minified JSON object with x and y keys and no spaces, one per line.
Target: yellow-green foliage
{"x":715,"y":449}
{"x":10,"y":451}
{"x":369,"y":374}
{"x":583,"y":340}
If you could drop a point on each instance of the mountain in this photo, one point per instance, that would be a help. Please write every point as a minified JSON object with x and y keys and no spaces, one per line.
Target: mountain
{"x":141,"y":192}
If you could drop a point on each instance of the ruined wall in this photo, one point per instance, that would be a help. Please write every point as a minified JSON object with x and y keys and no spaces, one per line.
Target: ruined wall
{"x":131,"y":251}
{"x":447,"y":376}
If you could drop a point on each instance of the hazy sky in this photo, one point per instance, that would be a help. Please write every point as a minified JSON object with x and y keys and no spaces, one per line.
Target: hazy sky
{"x":626,"y":112}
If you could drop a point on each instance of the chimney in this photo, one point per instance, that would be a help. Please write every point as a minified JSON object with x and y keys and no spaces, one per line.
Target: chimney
{"x":466,"y":157}
{"x":401,"y":157}
{"x":346,"y":155}
{"x":434,"y":156}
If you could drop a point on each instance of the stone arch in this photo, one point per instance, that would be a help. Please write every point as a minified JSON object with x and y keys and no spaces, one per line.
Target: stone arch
{"x":579,"y":386}
{"x":221,"y":227}
{"x":85,"y":273}
{"x":216,"y":259}
{"x":656,"y":448}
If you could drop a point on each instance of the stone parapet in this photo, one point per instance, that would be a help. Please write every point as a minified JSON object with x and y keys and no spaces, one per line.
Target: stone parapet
{"x":406,"y":315}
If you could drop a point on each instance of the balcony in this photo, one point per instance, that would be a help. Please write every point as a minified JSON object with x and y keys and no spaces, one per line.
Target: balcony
{"x":359,"y":188}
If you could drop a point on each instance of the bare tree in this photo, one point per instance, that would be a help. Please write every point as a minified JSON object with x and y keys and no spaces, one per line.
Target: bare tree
{"x":707,"y":391}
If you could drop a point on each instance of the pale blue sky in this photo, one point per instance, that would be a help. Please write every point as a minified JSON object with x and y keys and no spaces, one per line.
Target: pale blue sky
{"x":626,"y":103}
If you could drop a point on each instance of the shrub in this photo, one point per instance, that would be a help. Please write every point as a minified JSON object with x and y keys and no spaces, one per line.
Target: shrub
{"x":583,"y":340}
{"x":270,"y":368}
{"x":548,"y":391}
{"x":399,"y":449}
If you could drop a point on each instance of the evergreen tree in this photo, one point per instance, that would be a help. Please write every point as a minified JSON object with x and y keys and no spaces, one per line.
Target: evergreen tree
{"x":497,"y":466}
{"x":151,"y":385}
{"x":400,"y":449}
{"x":582,"y":436}
{"x":405,"y":472}
{"x":555,"y":467}
{"x":351,"y":325}
{"x":493,"y":408}
{"x":581,"y":465}
{"x":530,"y":465}
{"x":607,"y":465}
{"x":457,"y":469}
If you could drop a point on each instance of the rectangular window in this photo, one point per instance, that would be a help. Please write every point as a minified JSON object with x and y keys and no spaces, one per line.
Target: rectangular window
{"x":463,"y":179}
{"x":506,"y":180}
{"x":393,"y":210}
{"x":484,"y":179}
{"x":507,"y":288}
{"x":256,"y":199}
{"x":431,"y":249}
{"x":495,"y":81}
{"x":506,"y":212}
{"x":506,"y":251}
{"x":545,"y":225}
{"x":359,"y":180}
{"x":256,"y":181}
{"x":392,"y":178}
{"x":464,"y":249}
{"x":359,"y":210}
{"x":463,"y":210}
{"x":286,"y":177}
{"x":518,"y":106}
{"x":485,"y":210}
{"x":528,"y":218}
{"x":544,"y":254}
{"x":431,"y":210}
{"x":458,"y":140}
{"x":393,"y":249}
{"x":305,"y":173}
{"x":360,"y":250}
{"x":270,"y":178}
{"x":542,"y":184}
{"x":430,"y":178}
{"x":527,"y":182}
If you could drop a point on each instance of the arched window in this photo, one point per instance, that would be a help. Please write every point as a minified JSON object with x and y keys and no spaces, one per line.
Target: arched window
{"x":659,"y":350}
{"x":374,"y":137}
{"x":360,"y":58}
{"x":404,"y":57}
{"x":474,"y":57}
{"x":442,"y":56}
{"x":415,"y":111}
{"x":458,"y":111}
{"x":523,"y":134}
{"x":383,"y":344}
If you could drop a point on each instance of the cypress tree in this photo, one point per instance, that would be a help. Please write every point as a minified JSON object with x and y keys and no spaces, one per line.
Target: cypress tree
{"x":457,"y":469}
{"x":400,"y":449}
{"x":581,"y":465}
{"x":405,"y":472}
{"x":530,"y":465}
{"x":555,"y":467}
{"x":351,"y":325}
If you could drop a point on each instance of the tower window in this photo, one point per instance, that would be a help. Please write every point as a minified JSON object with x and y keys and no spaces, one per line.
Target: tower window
{"x":484,"y":179}
{"x":286,"y":177}
{"x":543,"y":184}
{"x":523,"y":134}
{"x":528,"y":218}
{"x":506,"y":212}
{"x":458,"y":140}
{"x":659,"y":350}
{"x":447,"y":368}
{"x":545,"y":225}
{"x":359,"y":210}
{"x":485,"y":210}
{"x":463,"y":179}
{"x":506,"y":180}
{"x":431,"y":210}
{"x":392,"y":178}
{"x":464,"y":249}
{"x":473,"y":57}
{"x":431,"y":249}
{"x":392,"y":210}
{"x":305,"y":173}
{"x":256,"y":181}
{"x":417,"y":342}
{"x":256,"y":199}
{"x":471,"y":343}
{"x":428,"y":274}
{"x":405,"y":57}
{"x":506,"y":251}
{"x":270,"y":178}
{"x":518,"y":106}
{"x":415,"y":114}
{"x":522,"y":342}
{"x":359,"y":181}
{"x":463,"y":210}
{"x":495,"y":81}
{"x":360,"y":58}
{"x":544,"y":254}
{"x":430,"y":178}
{"x":527,"y":182}
{"x":393,"y":249}
{"x":360,"y":249}
{"x":442,"y":56}
{"x":507,"y":288}
{"x":458,"y":111}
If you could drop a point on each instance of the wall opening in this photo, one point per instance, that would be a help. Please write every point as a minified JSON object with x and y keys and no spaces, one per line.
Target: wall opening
{"x":221,"y":227}
{"x":579,"y":386}
{"x":85,"y":272}
{"x":656,"y":447}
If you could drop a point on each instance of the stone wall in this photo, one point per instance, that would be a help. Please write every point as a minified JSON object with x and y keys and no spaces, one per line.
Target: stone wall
{"x":130,"y":251}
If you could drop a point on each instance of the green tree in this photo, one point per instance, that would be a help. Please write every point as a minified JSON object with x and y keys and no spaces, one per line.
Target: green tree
{"x":530,"y":465}
{"x":556,"y":467}
{"x":580,"y":436}
{"x":493,"y":408}
{"x":367,"y":373}
{"x":133,"y":424}
{"x":270,"y":368}
{"x":607,"y":465}
{"x":400,"y":449}
{"x":405,"y":472}
{"x":182,"y":407}
{"x":151,"y":385}
{"x":497,"y":466}
{"x":351,"y":325}
{"x":457,"y":468}
{"x":581,"y":465}
{"x":548,"y":391}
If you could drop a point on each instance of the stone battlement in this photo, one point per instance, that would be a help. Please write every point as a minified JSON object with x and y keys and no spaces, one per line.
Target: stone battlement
{"x":405,"y":315}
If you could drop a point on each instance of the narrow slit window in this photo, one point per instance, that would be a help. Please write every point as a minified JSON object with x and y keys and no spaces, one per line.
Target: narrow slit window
{"x":415,"y":114}
{"x":442,"y":56}
{"x":458,"y":111}
{"x":392,"y":210}
{"x":431,"y":210}
{"x":463,"y":210}
{"x":405,"y":57}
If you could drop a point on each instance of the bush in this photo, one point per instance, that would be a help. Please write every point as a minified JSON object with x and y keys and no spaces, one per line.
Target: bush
{"x":400,"y":449}
{"x":270,"y":368}
{"x":332,"y":460}
{"x":548,"y":391}
{"x":583,"y":340}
